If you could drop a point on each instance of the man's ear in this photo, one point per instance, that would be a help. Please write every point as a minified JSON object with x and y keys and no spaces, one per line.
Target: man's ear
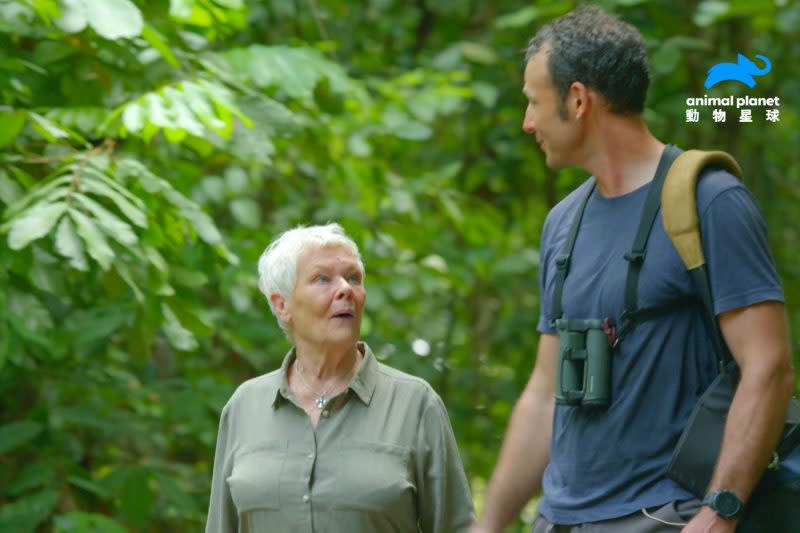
{"x":579,"y":100}
{"x":281,"y":306}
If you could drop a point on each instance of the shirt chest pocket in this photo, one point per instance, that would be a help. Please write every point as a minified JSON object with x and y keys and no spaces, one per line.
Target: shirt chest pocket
{"x":255,"y":478}
{"x":374,"y":476}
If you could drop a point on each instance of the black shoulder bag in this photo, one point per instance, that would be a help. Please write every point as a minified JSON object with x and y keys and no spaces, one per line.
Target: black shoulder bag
{"x":773,"y":507}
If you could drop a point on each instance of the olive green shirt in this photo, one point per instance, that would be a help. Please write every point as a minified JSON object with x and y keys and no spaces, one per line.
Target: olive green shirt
{"x":382,"y":459}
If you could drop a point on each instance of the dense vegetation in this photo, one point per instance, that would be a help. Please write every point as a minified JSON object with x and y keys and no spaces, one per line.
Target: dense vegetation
{"x":149,"y":150}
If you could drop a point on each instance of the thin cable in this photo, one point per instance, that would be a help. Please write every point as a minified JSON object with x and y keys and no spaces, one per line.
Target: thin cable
{"x":665,"y":522}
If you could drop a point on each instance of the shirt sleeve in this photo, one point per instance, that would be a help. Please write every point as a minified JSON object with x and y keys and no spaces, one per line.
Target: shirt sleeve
{"x":740,"y":267}
{"x":545,"y":295}
{"x":444,"y":499}
{"x":222,"y":515}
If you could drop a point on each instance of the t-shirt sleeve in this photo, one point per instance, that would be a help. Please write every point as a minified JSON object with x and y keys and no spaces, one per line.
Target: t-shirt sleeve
{"x":545,"y":296}
{"x":740,"y":267}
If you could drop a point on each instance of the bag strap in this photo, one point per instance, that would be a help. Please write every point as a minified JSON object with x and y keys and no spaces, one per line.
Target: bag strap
{"x":681,"y":223}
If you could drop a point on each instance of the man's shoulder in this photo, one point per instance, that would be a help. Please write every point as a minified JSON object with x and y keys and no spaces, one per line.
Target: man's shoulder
{"x":566,"y":207}
{"x":712,"y":183}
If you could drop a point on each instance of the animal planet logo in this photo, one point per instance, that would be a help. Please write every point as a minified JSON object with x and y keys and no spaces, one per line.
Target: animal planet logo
{"x":742,"y":71}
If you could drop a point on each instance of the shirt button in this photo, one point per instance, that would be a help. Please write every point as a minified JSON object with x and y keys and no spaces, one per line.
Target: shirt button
{"x":311,"y":455}
{"x":306,"y":498}
{"x":325,"y":413}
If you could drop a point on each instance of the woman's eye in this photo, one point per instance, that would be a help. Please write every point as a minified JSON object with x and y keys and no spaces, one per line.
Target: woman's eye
{"x":321,"y":278}
{"x":354,"y":279}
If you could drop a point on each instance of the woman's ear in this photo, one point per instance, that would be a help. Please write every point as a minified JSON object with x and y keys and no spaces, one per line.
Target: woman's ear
{"x":281,"y":306}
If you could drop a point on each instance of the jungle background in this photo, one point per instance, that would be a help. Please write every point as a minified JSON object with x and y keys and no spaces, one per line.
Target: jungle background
{"x":150,"y":150}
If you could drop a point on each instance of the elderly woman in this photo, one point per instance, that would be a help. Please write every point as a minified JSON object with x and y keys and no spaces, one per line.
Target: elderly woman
{"x":334,"y":440}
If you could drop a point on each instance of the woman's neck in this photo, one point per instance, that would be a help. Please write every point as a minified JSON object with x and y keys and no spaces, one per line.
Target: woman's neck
{"x":328,"y":363}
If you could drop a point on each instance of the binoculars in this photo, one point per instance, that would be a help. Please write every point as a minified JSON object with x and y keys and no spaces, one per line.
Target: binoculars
{"x":583,"y":373}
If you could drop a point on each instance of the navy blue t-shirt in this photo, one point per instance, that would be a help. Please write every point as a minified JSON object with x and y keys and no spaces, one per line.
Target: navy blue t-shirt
{"x":606,"y":463}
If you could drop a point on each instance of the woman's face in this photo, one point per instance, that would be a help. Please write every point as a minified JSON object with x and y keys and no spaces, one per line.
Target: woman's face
{"x":328,"y":300}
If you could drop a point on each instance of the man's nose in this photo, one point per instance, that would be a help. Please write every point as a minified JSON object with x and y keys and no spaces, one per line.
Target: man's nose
{"x":528,"y":125}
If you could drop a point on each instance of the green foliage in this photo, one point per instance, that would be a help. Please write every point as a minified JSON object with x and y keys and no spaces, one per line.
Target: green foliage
{"x":151,"y":150}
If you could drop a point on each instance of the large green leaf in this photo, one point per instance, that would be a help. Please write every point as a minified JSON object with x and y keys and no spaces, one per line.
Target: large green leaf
{"x":134,"y":213}
{"x":69,"y":244}
{"x":47,"y":128}
{"x":34,"y":223}
{"x":198,"y":101}
{"x":11,"y":123}
{"x":10,"y":191}
{"x":112,"y":225}
{"x":136,"y":497}
{"x":81,"y":522}
{"x":114,"y":19}
{"x":30,"y":311}
{"x":47,"y":193}
{"x":157,"y":41}
{"x":180,"y":337}
{"x":82,"y":416}
{"x":247,"y":212}
{"x":16,"y":434}
{"x":25,"y":514}
{"x":34,"y":475}
{"x":176,"y":494}
{"x":130,"y":205}
{"x":186,"y":108}
{"x":99,"y":323}
{"x":73,"y":17}
{"x":83,"y":120}
{"x":478,"y":52}
{"x":295,"y":70}
{"x":96,"y":242}
{"x":5,"y":342}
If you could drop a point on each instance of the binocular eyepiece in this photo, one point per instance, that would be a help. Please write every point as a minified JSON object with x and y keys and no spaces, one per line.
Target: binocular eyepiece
{"x":583,"y":373}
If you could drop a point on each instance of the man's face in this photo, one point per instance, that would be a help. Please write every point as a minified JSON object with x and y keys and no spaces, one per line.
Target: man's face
{"x":557,"y":135}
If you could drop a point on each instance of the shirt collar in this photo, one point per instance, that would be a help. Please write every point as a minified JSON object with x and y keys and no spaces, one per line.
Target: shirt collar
{"x":282,"y":392}
{"x":363,"y":383}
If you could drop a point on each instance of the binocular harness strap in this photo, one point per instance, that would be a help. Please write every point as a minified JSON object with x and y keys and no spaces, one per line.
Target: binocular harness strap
{"x":562,"y":260}
{"x":635,"y":258}
{"x":631,"y":314}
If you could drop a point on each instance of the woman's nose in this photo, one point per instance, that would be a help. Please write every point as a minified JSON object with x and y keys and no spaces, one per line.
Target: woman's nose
{"x":343,"y":288}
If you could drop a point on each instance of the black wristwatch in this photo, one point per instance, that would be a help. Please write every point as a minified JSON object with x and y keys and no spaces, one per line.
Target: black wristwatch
{"x":725,"y":503}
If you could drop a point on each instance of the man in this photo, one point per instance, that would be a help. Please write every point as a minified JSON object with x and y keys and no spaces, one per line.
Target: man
{"x":603,"y":469}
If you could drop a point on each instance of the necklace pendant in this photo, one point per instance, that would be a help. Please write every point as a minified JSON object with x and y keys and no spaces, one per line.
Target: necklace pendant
{"x":320,"y":402}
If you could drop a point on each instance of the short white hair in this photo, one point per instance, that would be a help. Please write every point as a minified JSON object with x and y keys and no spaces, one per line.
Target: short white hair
{"x":277,"y":266}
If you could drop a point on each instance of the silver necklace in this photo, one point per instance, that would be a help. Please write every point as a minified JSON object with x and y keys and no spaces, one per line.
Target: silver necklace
{"x":321,"y":400}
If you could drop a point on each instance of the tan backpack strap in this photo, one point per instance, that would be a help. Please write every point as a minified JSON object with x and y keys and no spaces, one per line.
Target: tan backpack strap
{"x":679,"y":202}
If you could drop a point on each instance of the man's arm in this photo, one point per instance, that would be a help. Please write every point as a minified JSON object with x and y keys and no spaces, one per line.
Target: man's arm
{"x":526,"y":447}
{"x":758,"y":338}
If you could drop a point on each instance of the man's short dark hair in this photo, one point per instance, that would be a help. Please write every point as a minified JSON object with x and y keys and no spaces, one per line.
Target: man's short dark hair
{"x":599,"y":50}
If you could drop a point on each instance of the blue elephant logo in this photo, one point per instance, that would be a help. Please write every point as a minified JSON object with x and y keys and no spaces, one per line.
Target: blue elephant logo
{"x":742,"y":71}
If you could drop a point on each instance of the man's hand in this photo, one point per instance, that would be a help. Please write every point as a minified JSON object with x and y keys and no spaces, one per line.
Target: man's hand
{"x":708,"y":521}
{"x":477,"y":527}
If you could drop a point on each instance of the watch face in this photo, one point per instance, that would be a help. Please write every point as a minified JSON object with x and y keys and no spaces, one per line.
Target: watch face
{"x":727,"y":504}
